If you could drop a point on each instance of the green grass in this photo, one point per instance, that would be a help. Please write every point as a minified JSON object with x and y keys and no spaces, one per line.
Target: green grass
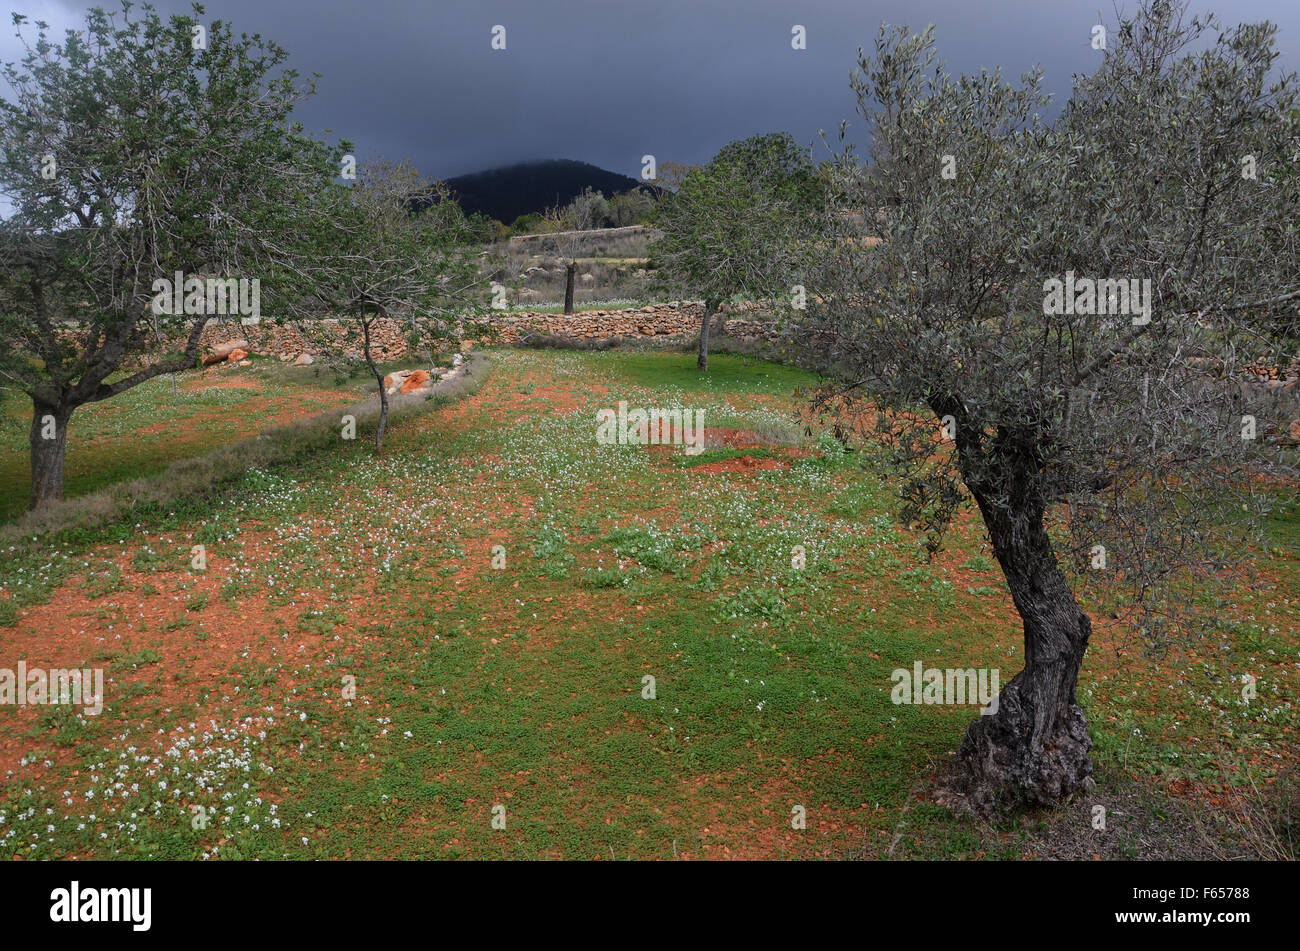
{"x":526,"y":687}
{"x":727,"y":373}
{"x":135,"y":434}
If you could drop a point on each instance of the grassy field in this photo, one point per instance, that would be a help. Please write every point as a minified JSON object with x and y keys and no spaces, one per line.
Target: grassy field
{"x":142,"y":431}
{"x":351,"y":676}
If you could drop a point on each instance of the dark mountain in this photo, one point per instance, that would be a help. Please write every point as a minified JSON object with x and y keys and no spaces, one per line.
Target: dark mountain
{"x":532,"y":187}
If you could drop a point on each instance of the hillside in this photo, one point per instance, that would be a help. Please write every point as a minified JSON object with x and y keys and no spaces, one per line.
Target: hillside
{"x":514,"y":190}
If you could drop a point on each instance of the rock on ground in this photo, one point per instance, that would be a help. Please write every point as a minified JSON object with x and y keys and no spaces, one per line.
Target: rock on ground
{"x":415,"y":381}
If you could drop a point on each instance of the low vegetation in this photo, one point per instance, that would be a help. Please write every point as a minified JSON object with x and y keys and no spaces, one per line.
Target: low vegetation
{"x":524,"y":686}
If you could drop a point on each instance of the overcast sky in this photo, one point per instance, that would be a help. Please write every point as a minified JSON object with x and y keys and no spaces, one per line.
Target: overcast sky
{"x":607,"y":81}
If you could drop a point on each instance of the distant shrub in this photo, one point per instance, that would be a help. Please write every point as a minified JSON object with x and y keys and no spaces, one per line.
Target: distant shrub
{"x":526,"y":224}
{"x":589,"y":211}
{"x":633,"y":207}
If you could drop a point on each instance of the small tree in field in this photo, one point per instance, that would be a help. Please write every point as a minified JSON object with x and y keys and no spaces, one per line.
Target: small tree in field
{"x":136,"y":150}
{"x":731,"y":225}
{"x":1069,"y":302}
{"x":392,"y":245}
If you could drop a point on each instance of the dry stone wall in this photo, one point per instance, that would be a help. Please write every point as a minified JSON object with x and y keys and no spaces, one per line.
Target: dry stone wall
{"x":225,"y":342}
{"x":388,"y":337}
{"x":678,"y":318}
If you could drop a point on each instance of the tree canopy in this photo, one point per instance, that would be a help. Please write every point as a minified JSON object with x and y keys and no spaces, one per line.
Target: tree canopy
{"x":139,"y":149}
{"x":733,"y":225}
{"x":1051,"y":318}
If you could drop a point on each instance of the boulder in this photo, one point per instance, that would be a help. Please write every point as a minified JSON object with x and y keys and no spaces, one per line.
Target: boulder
{"x":393,"y":381}
{"x":235,"y":356}
{"x":223,"y":350}
{"x":304,"y":359}
{"x":245,"y":363}
{"x":415,"y":381}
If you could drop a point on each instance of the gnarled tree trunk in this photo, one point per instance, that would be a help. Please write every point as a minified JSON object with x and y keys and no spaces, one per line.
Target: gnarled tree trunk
{"x":49,"y":446}
{"x":1034,"y":749}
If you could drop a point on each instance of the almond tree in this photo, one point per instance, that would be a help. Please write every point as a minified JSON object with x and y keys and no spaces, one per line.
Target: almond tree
{"x":134,"y":150}
{"x":988,"y":341}
{"x":392,"y":245}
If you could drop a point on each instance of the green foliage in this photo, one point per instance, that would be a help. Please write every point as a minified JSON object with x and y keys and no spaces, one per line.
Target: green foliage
{"x":980,"y":206}
{"x":734,"y":225}
{"x":589,"y":210}
{"x":634,"y":207}
{"x":131,"y":155}
{"x":525,"y":223}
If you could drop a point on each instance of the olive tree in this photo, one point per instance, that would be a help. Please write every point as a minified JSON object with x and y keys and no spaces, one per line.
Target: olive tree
{"x":1052,"y":319}
{"x":135,"y":150}
{"x":731,"y":226}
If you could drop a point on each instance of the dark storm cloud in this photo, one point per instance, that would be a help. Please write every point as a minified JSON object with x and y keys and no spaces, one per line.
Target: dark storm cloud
{"x":607,"y":82}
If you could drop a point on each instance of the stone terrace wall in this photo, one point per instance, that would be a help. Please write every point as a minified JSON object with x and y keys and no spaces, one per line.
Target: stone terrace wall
{"x":387,"y":337}
{"x":679,"y":318}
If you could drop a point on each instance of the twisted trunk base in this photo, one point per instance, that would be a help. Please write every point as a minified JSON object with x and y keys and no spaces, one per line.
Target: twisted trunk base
{"x":1003,"y":764}
{"x":1034,"y":750}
